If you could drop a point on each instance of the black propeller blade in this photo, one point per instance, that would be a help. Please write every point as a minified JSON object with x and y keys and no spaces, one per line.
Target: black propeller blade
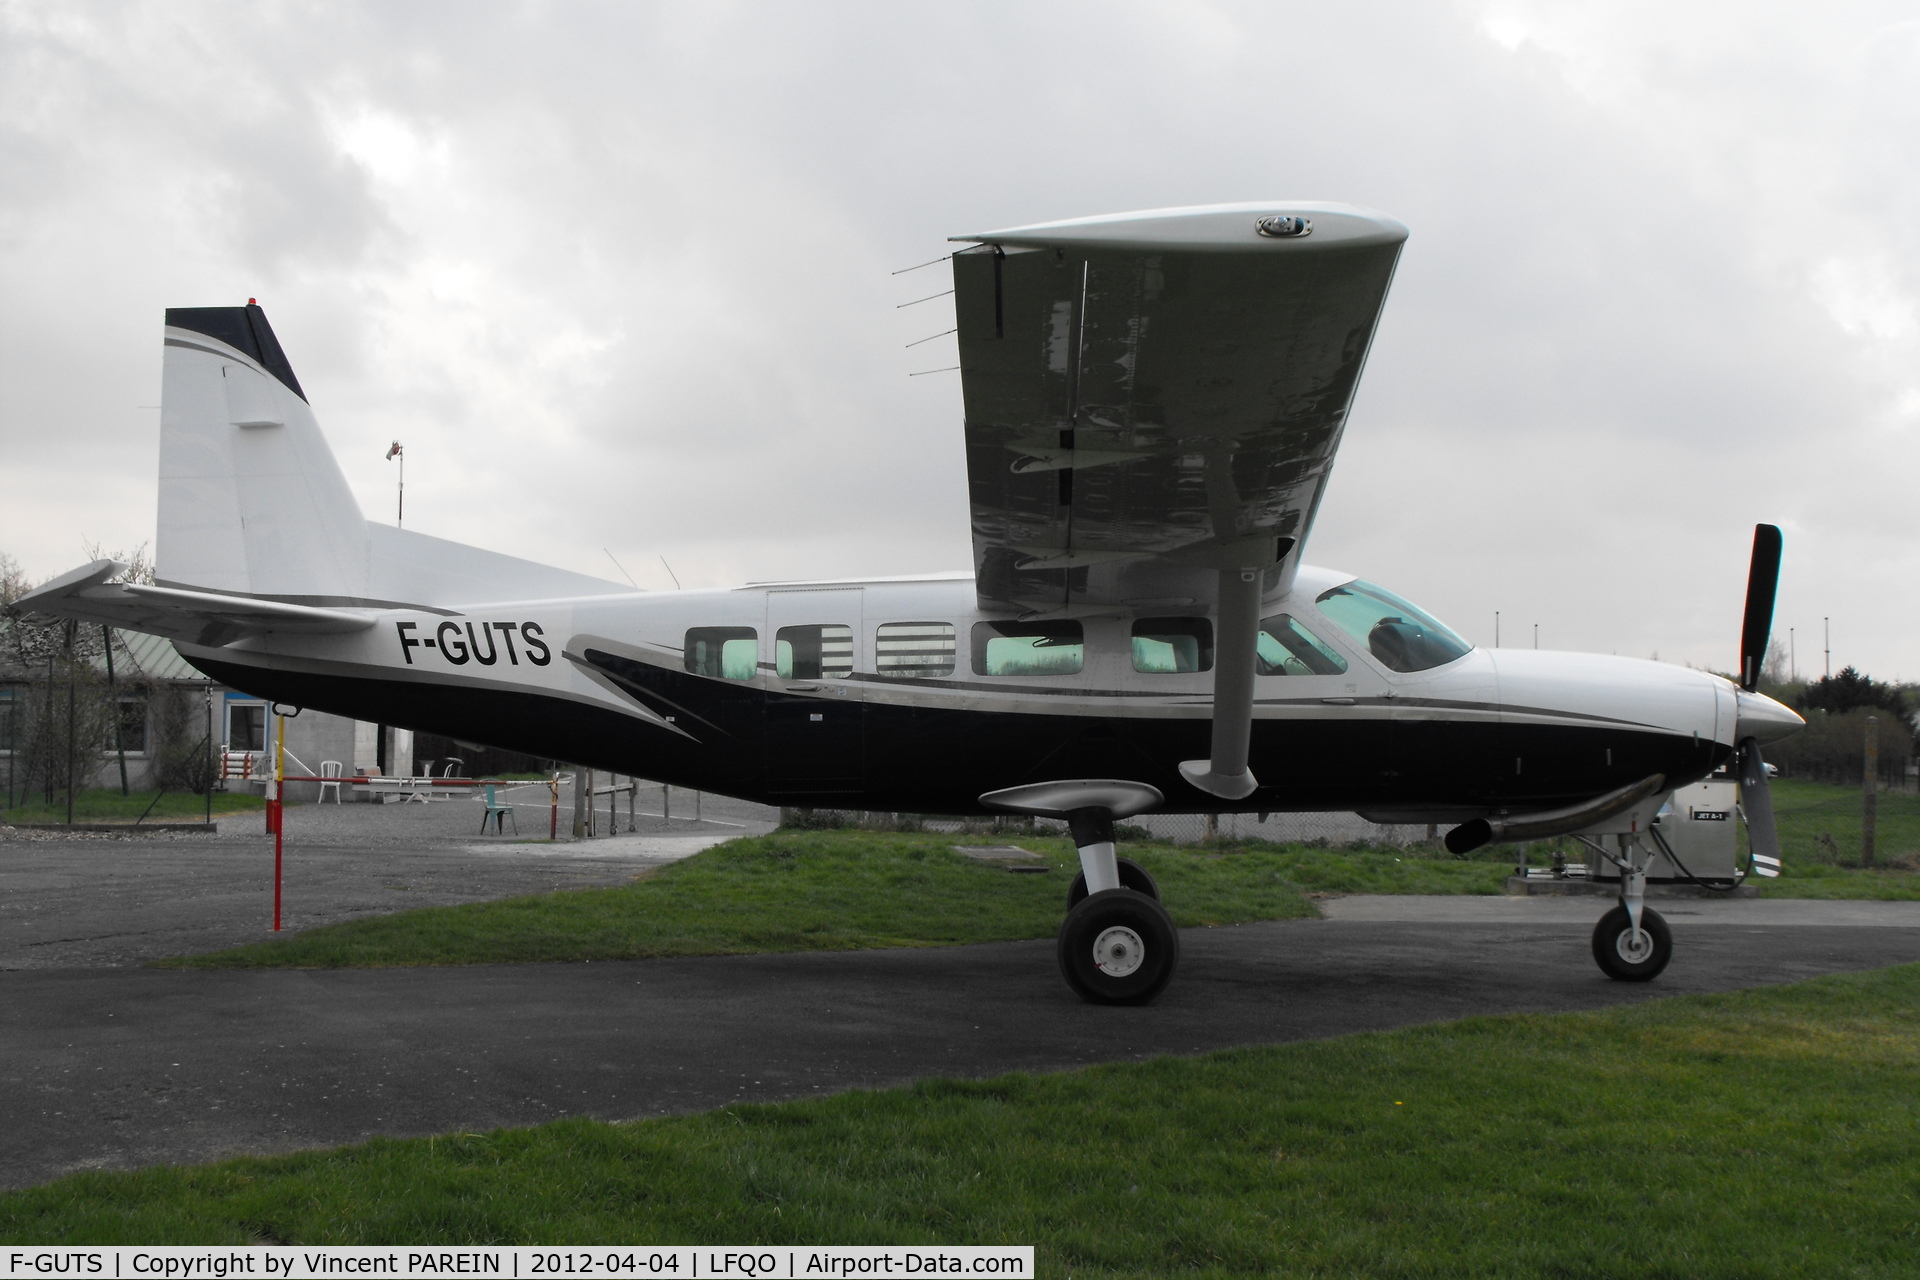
{"x":1763,"y":579}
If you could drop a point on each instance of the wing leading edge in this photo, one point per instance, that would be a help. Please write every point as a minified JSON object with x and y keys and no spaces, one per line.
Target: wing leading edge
{"x":1152,"y":397}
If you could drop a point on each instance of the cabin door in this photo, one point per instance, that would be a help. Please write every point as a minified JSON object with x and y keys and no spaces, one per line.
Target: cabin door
{"x":815,"y":732}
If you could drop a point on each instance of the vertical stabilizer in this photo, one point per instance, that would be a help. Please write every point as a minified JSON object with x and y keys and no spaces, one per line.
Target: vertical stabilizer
{"x":251,"y":499}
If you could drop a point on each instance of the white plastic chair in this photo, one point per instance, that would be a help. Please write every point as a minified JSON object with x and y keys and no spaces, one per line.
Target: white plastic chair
{"x":329,"y":769}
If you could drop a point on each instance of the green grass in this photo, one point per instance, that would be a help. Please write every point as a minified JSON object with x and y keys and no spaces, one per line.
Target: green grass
{"x":790,"y":891}
{"x":106,"y":804}
{"x":843,"y":890}
{"x":1761,"y":1134}
{"x":1806,"y":811}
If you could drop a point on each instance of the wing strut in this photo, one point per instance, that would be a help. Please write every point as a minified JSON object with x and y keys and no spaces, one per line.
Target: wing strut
{"x":1225,"y":772}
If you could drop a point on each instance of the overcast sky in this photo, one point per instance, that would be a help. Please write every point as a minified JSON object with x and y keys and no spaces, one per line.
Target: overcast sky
{"x":618,"y":275}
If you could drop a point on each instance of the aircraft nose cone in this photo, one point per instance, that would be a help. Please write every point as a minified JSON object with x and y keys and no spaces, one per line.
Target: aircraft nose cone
{"x":1764,"y":720}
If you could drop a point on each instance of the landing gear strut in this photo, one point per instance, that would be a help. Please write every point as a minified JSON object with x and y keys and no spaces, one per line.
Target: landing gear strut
{"x":1118,"y":944}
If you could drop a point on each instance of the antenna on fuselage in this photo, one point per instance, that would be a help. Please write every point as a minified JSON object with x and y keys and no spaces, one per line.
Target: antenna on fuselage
{"x":623,"y":570}
{"x":671,"y":573}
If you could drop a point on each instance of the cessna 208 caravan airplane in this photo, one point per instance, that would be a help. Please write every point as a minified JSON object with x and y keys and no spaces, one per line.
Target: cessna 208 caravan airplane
{"x":1153,"y":405}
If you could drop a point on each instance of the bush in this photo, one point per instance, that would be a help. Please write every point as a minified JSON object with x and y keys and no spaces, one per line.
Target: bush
{"x":1832,"y":748}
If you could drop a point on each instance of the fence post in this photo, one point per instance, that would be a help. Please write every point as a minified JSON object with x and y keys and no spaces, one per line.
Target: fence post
{"x":1869,"y":791}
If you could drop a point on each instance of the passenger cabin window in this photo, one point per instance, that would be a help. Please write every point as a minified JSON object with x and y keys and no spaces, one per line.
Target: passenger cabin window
{"x":1167,"y":646}
{"x":1285,"y":648}
{"x":1400,"y":636}
{"x":1028,"y":648}
{"x":813,"y":653}
{"x":913,"y":650}
{"x":725,"y":653}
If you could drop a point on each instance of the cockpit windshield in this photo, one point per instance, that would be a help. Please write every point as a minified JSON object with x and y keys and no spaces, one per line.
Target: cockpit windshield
{"x":1401,"y":636}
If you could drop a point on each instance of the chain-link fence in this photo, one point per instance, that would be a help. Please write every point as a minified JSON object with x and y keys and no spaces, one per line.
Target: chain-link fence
{"x":1335,"y":829}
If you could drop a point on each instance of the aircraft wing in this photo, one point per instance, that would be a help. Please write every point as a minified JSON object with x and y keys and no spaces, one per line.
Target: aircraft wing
{"x":1151,"y":397}
{"x":194,"y":617}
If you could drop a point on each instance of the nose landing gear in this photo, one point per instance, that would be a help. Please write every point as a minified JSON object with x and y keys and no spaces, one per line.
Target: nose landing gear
{"x":1631,"y":943}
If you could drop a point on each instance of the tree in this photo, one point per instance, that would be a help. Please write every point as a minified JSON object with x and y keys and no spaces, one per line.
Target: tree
{"x":1851,"y":689}
{"x":64,"y":712}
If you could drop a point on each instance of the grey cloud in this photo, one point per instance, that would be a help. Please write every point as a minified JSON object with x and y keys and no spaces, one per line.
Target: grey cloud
{"x":622,"y":280}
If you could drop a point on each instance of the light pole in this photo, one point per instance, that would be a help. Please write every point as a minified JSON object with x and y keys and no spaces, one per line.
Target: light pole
{"x":400,"y":514}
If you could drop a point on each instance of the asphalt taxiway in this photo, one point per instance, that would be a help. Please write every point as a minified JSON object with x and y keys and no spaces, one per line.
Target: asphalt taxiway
{"x":115,"y":1068}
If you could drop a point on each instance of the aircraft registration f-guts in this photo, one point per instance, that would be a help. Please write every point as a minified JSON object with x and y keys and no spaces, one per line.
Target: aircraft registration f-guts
{"x":1153,"y":404}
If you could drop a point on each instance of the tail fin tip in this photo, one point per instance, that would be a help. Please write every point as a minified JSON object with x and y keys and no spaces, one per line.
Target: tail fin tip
{"x":246,"y":330}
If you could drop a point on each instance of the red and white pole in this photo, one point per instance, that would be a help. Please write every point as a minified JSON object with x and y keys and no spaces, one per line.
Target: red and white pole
{"x":276,"y":809}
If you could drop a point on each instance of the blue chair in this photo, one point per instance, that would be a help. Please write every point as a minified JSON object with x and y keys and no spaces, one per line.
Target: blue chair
{"x":496,"y":814}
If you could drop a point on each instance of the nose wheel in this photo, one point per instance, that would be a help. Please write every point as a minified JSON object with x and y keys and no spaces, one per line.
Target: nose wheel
{"x":1632,"y":943}
{"x":1629,"y":957}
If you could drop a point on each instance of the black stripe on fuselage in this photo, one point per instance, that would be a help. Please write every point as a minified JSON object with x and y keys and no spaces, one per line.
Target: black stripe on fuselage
{"x":783,"y":748}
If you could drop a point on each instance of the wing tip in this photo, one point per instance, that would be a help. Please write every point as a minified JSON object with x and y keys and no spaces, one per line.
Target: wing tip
{"x":1209,"y":227}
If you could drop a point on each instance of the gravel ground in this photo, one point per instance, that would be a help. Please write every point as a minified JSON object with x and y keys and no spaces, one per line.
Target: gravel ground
{"x":89,"y":900}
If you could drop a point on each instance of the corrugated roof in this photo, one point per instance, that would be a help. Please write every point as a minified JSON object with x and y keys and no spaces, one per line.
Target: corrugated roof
{"x":154,"y":657}
{"x":135,"y":655}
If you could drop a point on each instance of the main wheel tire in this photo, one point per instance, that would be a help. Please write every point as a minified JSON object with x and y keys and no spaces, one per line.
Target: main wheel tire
{"x":1613,"y":948}
{"x":1132,"y":876}
{"x":1118,"y":947}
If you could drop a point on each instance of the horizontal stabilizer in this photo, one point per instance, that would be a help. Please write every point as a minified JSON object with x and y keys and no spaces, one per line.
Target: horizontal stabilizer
{"x":192,"y":617}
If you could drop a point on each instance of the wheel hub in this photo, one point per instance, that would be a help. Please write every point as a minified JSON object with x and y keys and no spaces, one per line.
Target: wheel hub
{"x":1118,"y":951}
{"x":1624,"y":943}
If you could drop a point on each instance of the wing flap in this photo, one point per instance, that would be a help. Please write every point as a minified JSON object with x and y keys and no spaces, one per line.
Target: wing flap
{"x":193,"y":617}
{"x":1153,"y":396}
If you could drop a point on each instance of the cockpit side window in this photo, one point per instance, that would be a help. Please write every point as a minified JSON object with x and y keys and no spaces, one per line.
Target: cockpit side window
{"x":1399,"y":635}
{"x":1285,"y":648}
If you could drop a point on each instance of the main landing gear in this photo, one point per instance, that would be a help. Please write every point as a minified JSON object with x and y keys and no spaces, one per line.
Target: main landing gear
{"x":1118,"y":944}
{"x":1631,"y":943}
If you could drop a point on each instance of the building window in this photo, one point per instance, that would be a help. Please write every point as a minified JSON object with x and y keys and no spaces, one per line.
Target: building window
{"x":724,"y":653}
{"x":1028,"y":648}
{"x":813,"y":653}
{"x":12,"y":720}
{"x":133,"y":726}
{"x":1172,"y":645}
{"x":247,"y":726}
{"x":906,"y":650}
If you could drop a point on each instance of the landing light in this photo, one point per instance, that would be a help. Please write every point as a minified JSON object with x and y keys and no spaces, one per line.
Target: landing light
{"x":1283,"y":226}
